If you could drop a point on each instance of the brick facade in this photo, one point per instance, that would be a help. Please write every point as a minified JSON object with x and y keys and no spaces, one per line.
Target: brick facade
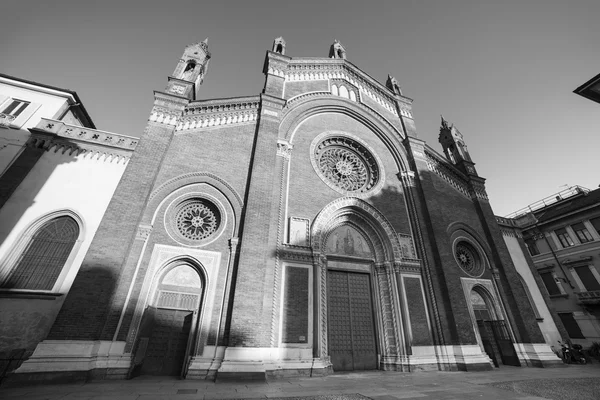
{"x":256,"y":159}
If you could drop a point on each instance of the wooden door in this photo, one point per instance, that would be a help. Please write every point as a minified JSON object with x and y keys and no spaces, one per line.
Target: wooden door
{"x":351,"y":329}
{"x":165,"y":352}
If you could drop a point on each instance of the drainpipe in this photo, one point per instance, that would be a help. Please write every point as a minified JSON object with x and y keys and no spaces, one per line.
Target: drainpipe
{"x":552,"y":251}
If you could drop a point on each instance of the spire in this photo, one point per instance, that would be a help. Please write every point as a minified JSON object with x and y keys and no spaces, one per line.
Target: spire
{"x":453,"y":143}
{"x":444,"y":123}
{"x":392,"y":84}
{"x":337,"y":50}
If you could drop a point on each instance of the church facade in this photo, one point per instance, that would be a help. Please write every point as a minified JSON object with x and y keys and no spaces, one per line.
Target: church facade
{"x":300,"y":231}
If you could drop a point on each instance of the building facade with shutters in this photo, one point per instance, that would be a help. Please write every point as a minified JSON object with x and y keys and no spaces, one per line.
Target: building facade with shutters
{"x":57,"y":176}
{"x":561,"y":235}
{"x":303,"y":230}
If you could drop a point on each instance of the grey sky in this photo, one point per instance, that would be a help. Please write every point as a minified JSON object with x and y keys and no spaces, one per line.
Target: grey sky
{"x":502,"y":71}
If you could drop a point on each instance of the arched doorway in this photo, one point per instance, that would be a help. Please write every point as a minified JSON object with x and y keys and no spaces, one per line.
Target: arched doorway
{"x":169,"y":322}
{"x":492,"y":329}
{"x":351,"y":315}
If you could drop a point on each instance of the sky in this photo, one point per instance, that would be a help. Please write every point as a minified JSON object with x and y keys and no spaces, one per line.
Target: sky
{"x":502,"y":71}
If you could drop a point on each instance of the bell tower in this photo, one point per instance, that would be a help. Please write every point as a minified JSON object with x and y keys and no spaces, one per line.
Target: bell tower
{"x":190,"y":71}
{"x":455,"y":149}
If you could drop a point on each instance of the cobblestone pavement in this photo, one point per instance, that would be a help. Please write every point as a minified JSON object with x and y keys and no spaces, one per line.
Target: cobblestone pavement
{"x":568,"y":382}
{"x":556,"y":389}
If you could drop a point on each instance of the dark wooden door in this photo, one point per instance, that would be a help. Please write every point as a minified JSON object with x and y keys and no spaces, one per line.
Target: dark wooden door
{"x":165,"y":352}
{"x":351,"y":329}
{"x":508,"y":353}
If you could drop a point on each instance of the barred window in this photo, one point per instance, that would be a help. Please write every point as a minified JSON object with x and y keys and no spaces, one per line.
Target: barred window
{"x":45,"y":256}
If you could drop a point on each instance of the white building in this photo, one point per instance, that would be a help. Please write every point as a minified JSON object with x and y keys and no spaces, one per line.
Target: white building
{"x":57,"y":177}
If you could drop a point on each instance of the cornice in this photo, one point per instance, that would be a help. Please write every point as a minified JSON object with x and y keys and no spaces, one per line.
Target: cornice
{"x":55,"y":135}
{"x":447,"y":172}
{"x":219,"y":112}
{"x":314,"y":69}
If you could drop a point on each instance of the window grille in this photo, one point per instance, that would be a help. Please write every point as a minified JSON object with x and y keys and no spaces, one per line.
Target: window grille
{"x":180,"y":301}
{"x":45,"y":256}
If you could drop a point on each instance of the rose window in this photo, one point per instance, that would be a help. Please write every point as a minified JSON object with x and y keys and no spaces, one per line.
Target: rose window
{"x":346,"y":164}
{"x":468,"y":259}
{"x":198,"y":219}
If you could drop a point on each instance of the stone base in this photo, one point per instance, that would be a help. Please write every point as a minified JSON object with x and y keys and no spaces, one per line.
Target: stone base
{"x":436,"y":358}
{"x":69,"y":361}
{"x":538,"y":355}
{"x":62,"y":361}
{"x":250,"y":363}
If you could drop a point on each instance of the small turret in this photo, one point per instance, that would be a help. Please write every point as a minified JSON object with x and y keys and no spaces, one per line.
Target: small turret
{"x":279,"y":46}
{"x":392,"y":84}
{"x":190,"y":71}
{"x":454,"y":147}
{"x":337,"y":50}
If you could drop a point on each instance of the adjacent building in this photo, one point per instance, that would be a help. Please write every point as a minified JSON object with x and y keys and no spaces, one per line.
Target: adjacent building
{"x":57,"y":176}
{"x":299,"y":231}
{"x":562,"y":237}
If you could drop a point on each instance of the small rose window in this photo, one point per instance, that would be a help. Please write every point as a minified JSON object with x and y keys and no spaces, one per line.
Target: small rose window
{"x":468,"y":259}
{"x":197,"y":219}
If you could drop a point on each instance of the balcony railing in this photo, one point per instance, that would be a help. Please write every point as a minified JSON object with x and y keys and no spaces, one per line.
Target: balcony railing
{"x":591,"y":297}
{"x":6,"y":120}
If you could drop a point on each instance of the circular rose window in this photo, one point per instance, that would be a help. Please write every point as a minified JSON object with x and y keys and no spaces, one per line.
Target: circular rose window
{"x":468,"y":259}
{"x":197,"y":219}
{"x":346,"y":165}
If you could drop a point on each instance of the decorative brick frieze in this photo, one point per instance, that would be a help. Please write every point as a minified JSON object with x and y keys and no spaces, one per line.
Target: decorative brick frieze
{"x":478,"y":191}
{"x":296,"y":253}
{"x":447,"y":173}
{"x":218,"y":113}
{"x":52,"y":135}
{"x":309,"y":70}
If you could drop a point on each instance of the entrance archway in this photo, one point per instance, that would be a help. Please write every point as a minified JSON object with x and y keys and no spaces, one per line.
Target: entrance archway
{"x":169,"y":322}
{"x":492,"y":329}
{"x":351,"y":316}
{"x":359,"y":320}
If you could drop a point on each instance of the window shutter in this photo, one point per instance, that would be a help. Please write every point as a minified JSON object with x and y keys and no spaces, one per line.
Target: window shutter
{"x":550,"y":283}
{"x":587,"y":278}
{"x":571,"y":325}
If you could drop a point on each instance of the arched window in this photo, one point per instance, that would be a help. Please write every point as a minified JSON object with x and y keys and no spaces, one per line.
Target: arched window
{"x":334,"y":90}
{"x":344,"y":92}
{"x":44,"y":256}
